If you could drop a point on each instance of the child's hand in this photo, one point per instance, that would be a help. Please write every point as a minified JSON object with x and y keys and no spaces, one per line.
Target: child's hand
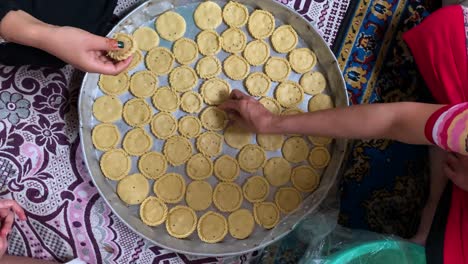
{"x":8,"y":209}
{"x":456,"y":169}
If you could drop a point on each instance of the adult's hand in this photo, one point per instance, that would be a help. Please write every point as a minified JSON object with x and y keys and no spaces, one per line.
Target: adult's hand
{"x":8,"y":209}
{"x":456,"y":169}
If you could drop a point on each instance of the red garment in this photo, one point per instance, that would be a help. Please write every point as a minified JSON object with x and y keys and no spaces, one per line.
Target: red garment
{"x":439,"y":48}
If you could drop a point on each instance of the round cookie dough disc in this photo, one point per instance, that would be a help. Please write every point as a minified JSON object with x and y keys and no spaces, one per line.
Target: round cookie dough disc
{"x":105,"y":136}
{"x":284,"y":39}
{"x":208,"y":67}
{"x":235,"y":14}
{"x":320,"y":141}
{"x":133,"y":189}
{"x":114,"y":85}
{"x":295,"y":149}
{"x":241,"y":224}
{"x":209,"y":42}
{"x":277,"y":171}
{"x":227,"y":196}
{"x":153,"y":211}
{"x":261,"y":24}
{"x":302,"y":60}
{"x":237,"y":137}
{"x":166,"y":100}
{"x":266,"y":214}
{"x":251,"y":158}
{"x":136,"y":112}
{"x":212,"y":227}
{"x":305,"y":178}
{"x":143,"y":84}
{"x":152,"y":165}
{"x":289,"y":94}
{"x":271,"y":104}
{"x":177,"y":150}
{"x":146,"y":38}
{"x":115,"y":164}
{"x":183,"y":78}
{"x":270,"y":142}
{"x":199,"y":195}
{"x":171,"y":26}
{"x":313,"y":82}
{"x":160,"y":60}
{"x":163,"y":125}
{"x":257,"y":52}
{"x":277,"y":69}
{"x":199,"y":167}
{"x":185,"y":51}
{"x":319,"y":157}
{"x":213,"y":118}
{"x":208,"y":15}
{"x":181,"y":221}
{"x":256,"y":189}
{"x":215,"y":91}
{"x":137,"y":58}
{"x":130,"y":46}
{"x":320,"y":102}
{"x":170,"y":188}
{"x":226,"y":168}
{"x":257,"y":84}
{"x":236,"y":67}
{"x":234,"y":40}
{"x":287,"y":199}
{"x":107,"y":109}
{"x":191,"y":102}
{"x":210,"y":143}
{"x":292,"y":111}
{"x":137,"y":142}
{"x":190,"y":126}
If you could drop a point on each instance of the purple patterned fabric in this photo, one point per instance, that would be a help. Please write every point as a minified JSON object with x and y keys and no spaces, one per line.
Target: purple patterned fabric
{"x":42,"y":168}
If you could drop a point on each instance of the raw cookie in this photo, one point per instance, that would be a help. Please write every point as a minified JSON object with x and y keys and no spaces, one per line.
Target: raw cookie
{"x":160,"y":60}
{"x":251,"y":158}
{"x":190,"y":126}
{"x":209,"y":42}
{"x":114,"y":85}
{"x":234,"y":40}
{"x":191,"y":102}
{"x":210,"y":143}
{"x":284,"y":39}
{"x":208,"y":15}
{"x":292,"y":111}
{"x":257,"y":84}
{"x":183,"y":78}
{"x":166,"y":99}
{"x":305,"y":178}
{"x":105,"y":136}
{"x":170,"y":188}
{"x":177,"y":150}
{"x":137,"y":142}
{"x":133,"y":189}
{"x":261,"y":24}
{"x":143,"y":84}
{"x":208,"y":67}
{"x":302,"y":60}
{"x":107,"y":109}
{"x":153,"y":211}
{"x":236,"y":67}
{"x":277,"y":69}
{"x":115,"y":164}
{"x":185,"y":51}
{"x":270,"y":142}
{"x":198,"y":195}
{"x":320,"y":141}
{"x":320,"y":102}
{"x":256,"y":189}
{"x":215,"y":91}
{"x":163,"y":125}
{"x":237,"y":137}
{"x":136,"y":112}
{"x":213,"y":118}
{"x":271,"y":104}
{"x":171,"y":26}
{"x":226,"y":168}
{"x":199,"y":167}
{"x":319,"y":157}
{"x":212,"y":227}
{"x":257,"y":52}
{"x":287,"y":199}
{"x":266,"y":214}
{"x":137,"y":58}
{"x":277,"y":171}
{"x":289,"y":94}
{"x":313,"y":82}
{"x":241,"y":224}
{"x":181,"y":221}
{"x":227,"y":196}
{"x":152,"y":165}
{"x":295,"y":149}
{"x":130,"y":46}
{"x":146,"y":38}
{"x":235,"y":14}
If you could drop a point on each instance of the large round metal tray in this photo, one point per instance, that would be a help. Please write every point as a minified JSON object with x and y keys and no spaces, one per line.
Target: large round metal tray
{"x":145,"y":15}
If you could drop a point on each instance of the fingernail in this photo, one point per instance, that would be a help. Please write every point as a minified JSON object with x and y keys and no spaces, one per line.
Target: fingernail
{"x":120,"y":44}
